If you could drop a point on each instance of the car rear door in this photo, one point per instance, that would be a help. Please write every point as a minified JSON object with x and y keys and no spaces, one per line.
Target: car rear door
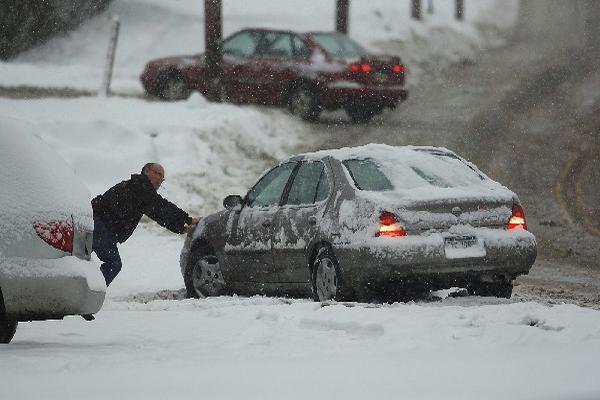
{"x":298,"y":222}
{"x":280,"y":62}
{"x":248,"y":247}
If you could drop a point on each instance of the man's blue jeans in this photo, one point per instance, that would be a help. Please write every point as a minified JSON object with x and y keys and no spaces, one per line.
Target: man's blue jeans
{"x":105,"y":247}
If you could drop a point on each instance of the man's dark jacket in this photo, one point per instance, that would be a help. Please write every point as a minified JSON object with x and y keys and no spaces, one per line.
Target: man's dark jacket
{"x":123,"y":205}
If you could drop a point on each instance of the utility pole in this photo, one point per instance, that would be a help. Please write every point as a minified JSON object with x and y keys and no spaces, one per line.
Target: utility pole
{"x":460,"y":10}
{"x":110,"y":58}
{"x":213,"y":38}
{"x":416,"y":9}
{"x":341,"y":18}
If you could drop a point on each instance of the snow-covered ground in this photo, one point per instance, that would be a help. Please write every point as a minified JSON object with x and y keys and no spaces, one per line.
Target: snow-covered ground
{"x":261,"y":348}
{"x":231,"y":347}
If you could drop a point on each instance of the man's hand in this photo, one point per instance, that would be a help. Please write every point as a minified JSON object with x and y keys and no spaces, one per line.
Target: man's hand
{"x":189,"y":228}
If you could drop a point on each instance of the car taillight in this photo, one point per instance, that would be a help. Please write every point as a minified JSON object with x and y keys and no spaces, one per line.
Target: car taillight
{"x":398,"y":69}
{"x":517,"y":219}
{"x":58,"y":234}
{"x":360,"y":67}
{"x":389,"y":226}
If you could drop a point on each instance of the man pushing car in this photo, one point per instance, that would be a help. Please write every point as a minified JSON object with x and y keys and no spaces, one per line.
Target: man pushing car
{"x":118,"y":211}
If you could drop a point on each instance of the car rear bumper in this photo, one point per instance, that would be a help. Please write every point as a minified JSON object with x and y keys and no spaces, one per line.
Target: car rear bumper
{"x":341,"y":93}
{"x":36,"y":289}
{"x":424,"y":259}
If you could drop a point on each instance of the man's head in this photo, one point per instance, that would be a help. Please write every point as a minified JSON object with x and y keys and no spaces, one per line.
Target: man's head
{"x":155,"y":173}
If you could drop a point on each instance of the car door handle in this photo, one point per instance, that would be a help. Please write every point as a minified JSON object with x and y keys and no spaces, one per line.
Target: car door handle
{"x":312,"y":220}
{"x":266,"y":224}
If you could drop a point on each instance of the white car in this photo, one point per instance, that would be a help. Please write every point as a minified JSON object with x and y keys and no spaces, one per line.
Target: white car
{"x":46,"y":229}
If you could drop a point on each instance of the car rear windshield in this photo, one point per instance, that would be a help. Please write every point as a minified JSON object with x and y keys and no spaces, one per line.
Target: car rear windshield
{"x":339,"y":45}
{"x":367,"y":176}
{"x":424,"y":170}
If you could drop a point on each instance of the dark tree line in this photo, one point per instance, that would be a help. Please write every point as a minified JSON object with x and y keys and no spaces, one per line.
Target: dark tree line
{"x":25,"y":23}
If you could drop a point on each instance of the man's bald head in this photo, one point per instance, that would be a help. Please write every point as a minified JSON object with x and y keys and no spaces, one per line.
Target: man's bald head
{"x":155,"y":173}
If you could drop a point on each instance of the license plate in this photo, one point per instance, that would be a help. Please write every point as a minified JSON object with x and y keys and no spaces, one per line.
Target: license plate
{"x":380,"y":76}
{"x":463,"y":247}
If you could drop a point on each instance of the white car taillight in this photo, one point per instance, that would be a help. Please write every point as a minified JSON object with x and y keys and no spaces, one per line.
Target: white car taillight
{"x":58,"y":234}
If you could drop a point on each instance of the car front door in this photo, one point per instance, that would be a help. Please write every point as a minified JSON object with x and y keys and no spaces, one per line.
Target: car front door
{"x":298,"y":222}
{"x":248,"y":247}
{"x":241,"y":67}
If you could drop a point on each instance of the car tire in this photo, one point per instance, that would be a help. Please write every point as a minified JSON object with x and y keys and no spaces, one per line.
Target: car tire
{"x":491,"y":289}
{"x":8,"y":328}
{"x":303,"y":102}
{"x":203,"y":277}
{"x":173,"y":86}
{"x":326,"y":277}
{"x":359,"y":113}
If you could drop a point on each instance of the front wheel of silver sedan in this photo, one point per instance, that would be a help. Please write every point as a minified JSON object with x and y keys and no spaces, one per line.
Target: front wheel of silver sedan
{"x":327,"y":279}
{"x":205,"y":278}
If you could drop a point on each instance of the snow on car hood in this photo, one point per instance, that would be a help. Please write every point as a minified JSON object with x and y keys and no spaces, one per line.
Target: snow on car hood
{"x":37,"y":184}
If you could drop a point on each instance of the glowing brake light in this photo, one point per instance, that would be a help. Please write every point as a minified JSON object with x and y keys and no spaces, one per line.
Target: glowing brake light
{"x":360,"y":67}
{"x":517,"y":219}
{"x":399,"y":69}
{"x":58,"y":234}
{"x":389,"y":226}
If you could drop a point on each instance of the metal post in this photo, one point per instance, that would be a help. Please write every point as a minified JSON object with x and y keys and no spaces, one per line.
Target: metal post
{"x":110,"y":59}
{"x":460,"y":10}
{"x":416,"y":9}
{"x":341,"y":19}
{"x":213,"y":37}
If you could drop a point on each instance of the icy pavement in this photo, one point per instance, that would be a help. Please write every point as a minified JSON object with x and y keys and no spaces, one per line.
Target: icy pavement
{"x":257,"y":348}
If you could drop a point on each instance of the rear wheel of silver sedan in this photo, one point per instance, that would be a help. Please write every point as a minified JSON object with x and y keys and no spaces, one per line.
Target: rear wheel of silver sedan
{"x":327,"y":279}
{"x":205,"y":278}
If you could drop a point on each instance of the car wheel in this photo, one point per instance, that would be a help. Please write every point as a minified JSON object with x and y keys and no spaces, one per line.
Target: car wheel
{"x":205,"y":278}
{"x":360,"y":113}
{"x":491,"y":289}
{"x":174,"y":87}
{"x":303,"y":103}
{"x":8,"y":328}
{"x":326,"y":274}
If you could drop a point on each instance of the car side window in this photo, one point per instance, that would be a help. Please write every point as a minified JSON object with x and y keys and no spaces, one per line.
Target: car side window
{"x":301,"y":49}
{"x":243,"y":44}
{"x":305,"y":188}
{"x":277,"y":44}
{"x":268,"y":191}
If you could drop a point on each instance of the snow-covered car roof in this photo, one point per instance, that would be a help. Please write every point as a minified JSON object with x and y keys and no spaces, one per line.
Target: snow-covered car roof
{"x":421,"y":173}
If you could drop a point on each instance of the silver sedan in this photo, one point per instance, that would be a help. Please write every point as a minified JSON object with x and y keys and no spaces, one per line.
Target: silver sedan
{"x":371,"y":222}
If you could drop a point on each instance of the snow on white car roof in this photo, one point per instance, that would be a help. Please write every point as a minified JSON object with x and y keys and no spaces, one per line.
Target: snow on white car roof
{"x":420,"y":173}
{"x":35,"y":180}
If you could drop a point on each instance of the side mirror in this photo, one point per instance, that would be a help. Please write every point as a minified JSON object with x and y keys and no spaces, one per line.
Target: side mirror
{"x":233,"y":202}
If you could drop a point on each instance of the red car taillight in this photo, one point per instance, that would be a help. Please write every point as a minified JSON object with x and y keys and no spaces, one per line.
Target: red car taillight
{"x":517,"y":219}
{"x":389,"y":226}
{"x":58,"y":234}
{"x":360,"y":68}
{"x":399,"y":69}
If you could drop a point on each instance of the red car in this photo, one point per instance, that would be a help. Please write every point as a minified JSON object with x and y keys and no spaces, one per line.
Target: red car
{"x":308,"y":73}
